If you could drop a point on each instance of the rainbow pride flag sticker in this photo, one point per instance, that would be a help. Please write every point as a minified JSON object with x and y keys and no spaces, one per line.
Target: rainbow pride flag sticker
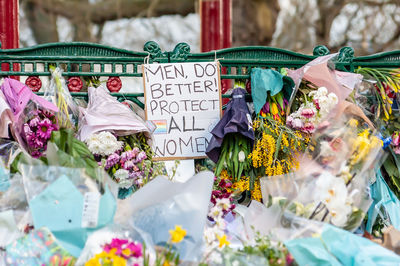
{"x":161,"y":126}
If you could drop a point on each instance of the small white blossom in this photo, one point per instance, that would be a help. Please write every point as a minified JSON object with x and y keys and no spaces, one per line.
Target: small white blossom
{"x":241,"y":156}
{"x":220,"y":223}
{"x":215,"y":212}
{"x":223,"y":203}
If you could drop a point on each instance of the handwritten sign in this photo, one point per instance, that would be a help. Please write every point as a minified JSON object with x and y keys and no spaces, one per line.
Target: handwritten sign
{"x":183,"y":100}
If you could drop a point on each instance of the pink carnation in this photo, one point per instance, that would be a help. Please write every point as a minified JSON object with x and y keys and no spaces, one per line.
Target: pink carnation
{"x":297,"y":123}
{"x":307,"y":112}
{"x":308,"y":127}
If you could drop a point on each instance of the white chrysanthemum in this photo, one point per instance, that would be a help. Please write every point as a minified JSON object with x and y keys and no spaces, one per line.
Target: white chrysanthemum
{"x":103,"y":143}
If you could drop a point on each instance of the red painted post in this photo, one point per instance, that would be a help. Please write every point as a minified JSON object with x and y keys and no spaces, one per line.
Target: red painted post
{"x":226,"y":23}
{"x":9,"y":27}
{"x":216,"y":29}
{"x":211,"y":31}
{"x":216,"y":24}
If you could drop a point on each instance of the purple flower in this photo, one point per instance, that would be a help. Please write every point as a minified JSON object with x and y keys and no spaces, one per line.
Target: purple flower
{"x":135,"y":174}
{"x":140,"y":157}
{"x":265,"y":108}
{"x":112,"y":160}
{"x":44,"y":128}
{"x":128,"y":165}
{"x":36,"y":154}
{"x":34,"y":122}
{"x":128,"y":155}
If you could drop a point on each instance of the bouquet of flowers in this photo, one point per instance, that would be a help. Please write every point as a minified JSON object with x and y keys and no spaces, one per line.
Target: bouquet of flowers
{"x":37,"y":131}
{"x":314,"y":108}
{"x":119,"y":139}
{"x":118,"y":252}
{"x":334,"y":188}
{"x":127,"y":159}
{"x":35,"y":118}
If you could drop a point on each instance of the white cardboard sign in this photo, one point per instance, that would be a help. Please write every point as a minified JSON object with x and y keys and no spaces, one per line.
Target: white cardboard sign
{"x":183,"y":100}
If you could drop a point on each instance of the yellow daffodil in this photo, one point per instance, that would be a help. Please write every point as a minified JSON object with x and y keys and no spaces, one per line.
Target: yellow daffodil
{"x":223,"y":241}
{"x":178,"y":234}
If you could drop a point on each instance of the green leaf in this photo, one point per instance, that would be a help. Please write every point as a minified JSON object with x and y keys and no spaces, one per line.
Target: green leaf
{"x":278,"y":145}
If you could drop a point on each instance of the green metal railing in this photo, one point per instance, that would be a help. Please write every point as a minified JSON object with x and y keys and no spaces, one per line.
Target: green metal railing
{"x":95,"y":60}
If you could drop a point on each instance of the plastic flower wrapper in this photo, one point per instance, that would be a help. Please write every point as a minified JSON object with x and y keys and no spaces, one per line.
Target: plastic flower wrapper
{"x":34,"y":117}
{"x":337,"y":185}
{"x":59,"y":94}
{"x":39,"y":247}
{"x":14,"y":210}
{"x":68,"y":202}
{"x":105,"y":113}
{"x":6,"y":117}
{"x":63,"y":150}
{"x":334,"y":246}
{"x":162,"y":204}
{"x":319,"y":72}
{"x":257,"y":233}
{"x":9,"y":150}
{"x":385,"y":204}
